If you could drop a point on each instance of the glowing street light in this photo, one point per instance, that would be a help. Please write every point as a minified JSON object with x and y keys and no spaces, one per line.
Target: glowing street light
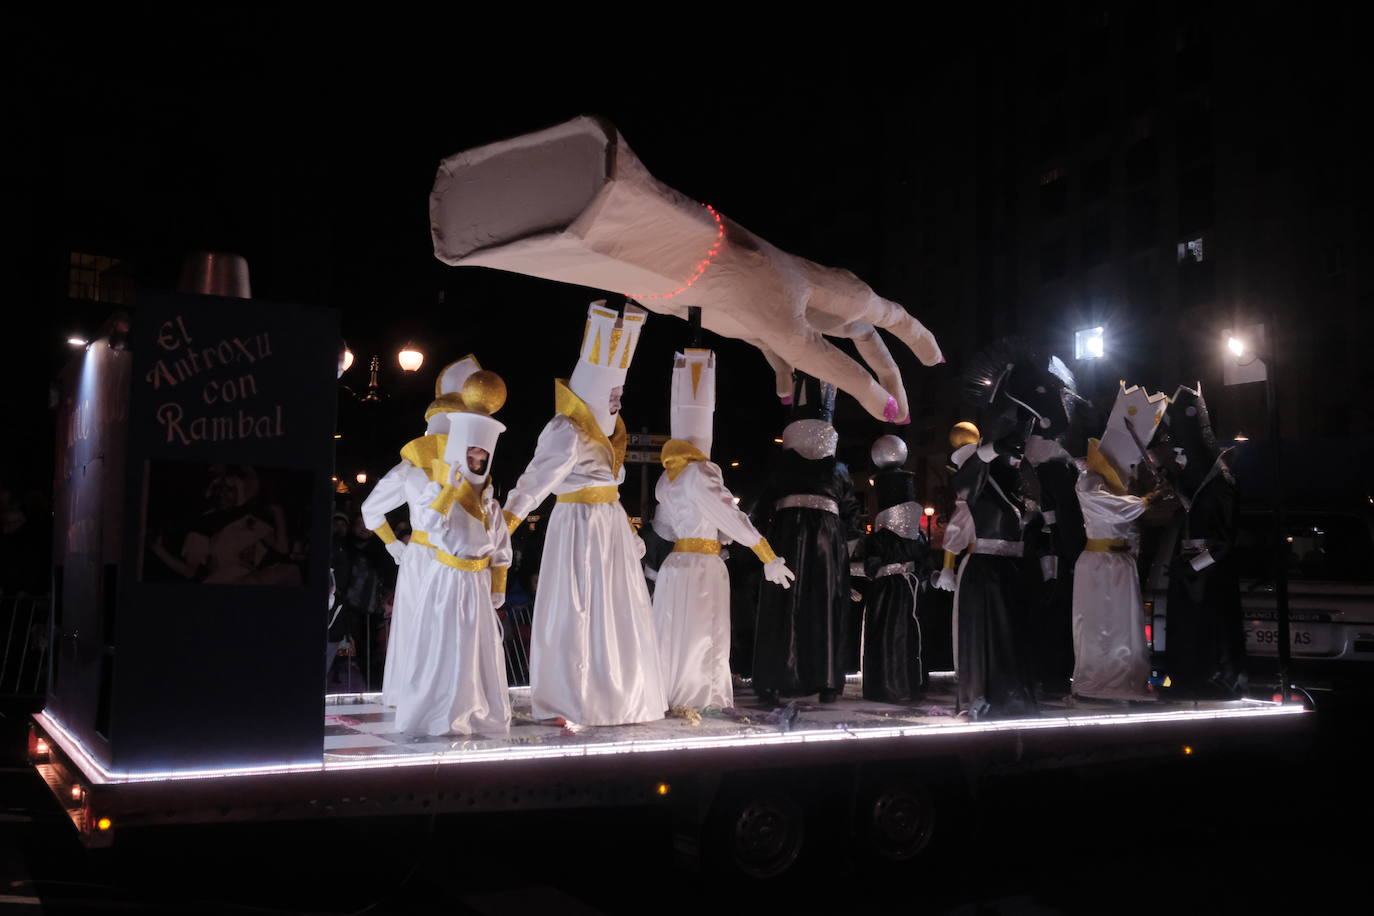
{"x":347,"y":360}
{"x":361,"y":477}
{"x":77,"y":341}
{"x":410,"y":358}
{"x":1236,"y":346}
{"x":1088,"y":343}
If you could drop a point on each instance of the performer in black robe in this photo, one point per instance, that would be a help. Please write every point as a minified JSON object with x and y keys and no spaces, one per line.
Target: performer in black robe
{"x":995,"y":663}
{"x":1060,"y":537}
{"x":809,"y":513}
{"x":895,"y":560}
{"x":1206,"y":643}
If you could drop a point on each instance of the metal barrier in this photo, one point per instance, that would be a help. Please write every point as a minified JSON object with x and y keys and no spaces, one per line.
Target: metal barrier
{"x":24,"y":650}
{"x":515,"y":627}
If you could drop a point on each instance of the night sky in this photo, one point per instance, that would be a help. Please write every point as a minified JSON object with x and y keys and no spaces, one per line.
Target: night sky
{"x":310,"y":145}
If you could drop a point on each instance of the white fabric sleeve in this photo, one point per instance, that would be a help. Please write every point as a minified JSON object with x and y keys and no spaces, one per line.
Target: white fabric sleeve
{"x":389,"y":493}
{"x":717,"y":504}
{"x":555,"y":455}
{"x":1104,"y":506}
{"x":959,"y":532}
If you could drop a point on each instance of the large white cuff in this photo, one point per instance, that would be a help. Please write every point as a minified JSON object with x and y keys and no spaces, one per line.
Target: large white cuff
{"x":1202,"y":561}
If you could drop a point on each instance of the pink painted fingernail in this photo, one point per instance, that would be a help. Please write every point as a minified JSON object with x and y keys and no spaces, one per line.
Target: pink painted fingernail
{"x":942,"y":360}
{"x":786,"y":399}
{"x":891,"y":411}
{"x":904,"y":421}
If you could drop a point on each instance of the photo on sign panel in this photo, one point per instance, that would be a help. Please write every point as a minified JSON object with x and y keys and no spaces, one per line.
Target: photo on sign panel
{"x":232,"y":524}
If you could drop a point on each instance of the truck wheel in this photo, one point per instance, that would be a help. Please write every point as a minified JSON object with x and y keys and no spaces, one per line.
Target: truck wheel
{"x":898,"y":821}
{"x":763,"y":834}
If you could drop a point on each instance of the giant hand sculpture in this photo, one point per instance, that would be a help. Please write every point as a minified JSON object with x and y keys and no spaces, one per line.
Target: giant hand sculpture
{"x":573,"y":203}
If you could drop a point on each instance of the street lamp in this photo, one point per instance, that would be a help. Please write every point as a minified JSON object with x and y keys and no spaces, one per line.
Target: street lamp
{"x":410,"y":358}
{"x":1089,"y":343}
{"x":1249,"y":361}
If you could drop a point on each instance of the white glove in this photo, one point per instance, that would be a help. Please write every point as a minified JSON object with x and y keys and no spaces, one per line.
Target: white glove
{"x":945,"y":581}
{"x":498,"y":599}
{"x":397,"y":550}
{"x":776,"y":571}
{"x":1049,"y":568}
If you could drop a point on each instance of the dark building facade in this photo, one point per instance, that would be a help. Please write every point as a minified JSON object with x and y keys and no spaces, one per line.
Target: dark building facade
{"x":1167,"y":173}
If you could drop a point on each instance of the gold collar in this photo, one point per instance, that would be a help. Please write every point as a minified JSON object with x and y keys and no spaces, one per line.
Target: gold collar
{"x":677,"y":454}
{"x":466,"y":495}
{"x":575,"y":409}
{"x":427,"y":454}
{"x":1098,"y":464}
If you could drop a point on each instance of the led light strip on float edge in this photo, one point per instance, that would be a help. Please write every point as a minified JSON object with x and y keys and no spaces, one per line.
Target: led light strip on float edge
{"x":459,"y":755}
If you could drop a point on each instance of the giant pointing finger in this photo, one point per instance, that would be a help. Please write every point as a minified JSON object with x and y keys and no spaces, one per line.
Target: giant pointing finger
{"x":572,"y":203}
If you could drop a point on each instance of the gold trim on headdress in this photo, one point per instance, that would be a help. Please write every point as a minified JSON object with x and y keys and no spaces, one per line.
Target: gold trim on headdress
{"x":444,"y":403}
{"x":438,"y":380}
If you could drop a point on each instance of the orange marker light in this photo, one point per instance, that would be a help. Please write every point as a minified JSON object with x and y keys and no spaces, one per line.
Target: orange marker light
{"x":663,"y":788}
{"x":41,"y":746}
{"x":1187,"y":750}
{"x":76,"y":791}
{"x":103,"y":824}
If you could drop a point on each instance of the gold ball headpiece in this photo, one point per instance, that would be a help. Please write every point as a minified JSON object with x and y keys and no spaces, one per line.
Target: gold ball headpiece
{"x":484,"y":392}
{"x":963,"y":433}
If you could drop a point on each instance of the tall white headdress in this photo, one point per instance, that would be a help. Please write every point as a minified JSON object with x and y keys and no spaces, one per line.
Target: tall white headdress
{"x":1143,"y":411}
{"x":608,"y":345}
{"x":693,"y":402}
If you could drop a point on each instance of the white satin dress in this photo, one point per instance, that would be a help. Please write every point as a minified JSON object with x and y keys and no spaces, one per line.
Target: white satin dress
{"x":403,"y":485}
{"x":1111,"y":657}
{"x":593,"y":653}
{"x":453,"y":668}
{"x":692,"y":592}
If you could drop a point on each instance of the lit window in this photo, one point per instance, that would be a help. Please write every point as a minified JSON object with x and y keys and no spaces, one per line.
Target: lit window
{"x":1192,"y":251}
{"x":1087,"y":344}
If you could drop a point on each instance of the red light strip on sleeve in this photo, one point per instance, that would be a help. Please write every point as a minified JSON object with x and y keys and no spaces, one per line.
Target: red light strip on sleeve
{"x":702,"y":264}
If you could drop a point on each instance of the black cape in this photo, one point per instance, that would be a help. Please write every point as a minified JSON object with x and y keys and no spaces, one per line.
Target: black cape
{"x":799,"y":643}
{"x":1063,"y":539}
{"x":995,"y":676}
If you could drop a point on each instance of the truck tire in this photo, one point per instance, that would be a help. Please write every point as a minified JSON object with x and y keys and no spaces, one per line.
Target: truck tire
{"x":897,"y":820}
{"x":756,"y":833}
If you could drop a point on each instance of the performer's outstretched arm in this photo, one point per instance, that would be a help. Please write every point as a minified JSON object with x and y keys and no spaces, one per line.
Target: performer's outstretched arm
{"x":387,"y":494}
{"x":717,"y":504}
{"x":555,"y":455}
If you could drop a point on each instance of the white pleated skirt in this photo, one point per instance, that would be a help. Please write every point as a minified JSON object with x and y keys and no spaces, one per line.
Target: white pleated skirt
{"x":692,"y":616}
{"x":1111,"y":657}
{"x":454,"y":670}
{"x":593,"y":651}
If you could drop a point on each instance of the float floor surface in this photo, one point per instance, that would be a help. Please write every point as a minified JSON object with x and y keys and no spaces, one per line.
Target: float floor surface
{"x":359,"y":729}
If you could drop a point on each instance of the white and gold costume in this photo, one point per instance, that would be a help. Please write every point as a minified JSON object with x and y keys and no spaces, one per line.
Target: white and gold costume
{"x":452,"y":676}
{"x":409,"y":484}
{"x":593,"y":657}
{"x":1111,"y":657}
{"x":692,"y":592}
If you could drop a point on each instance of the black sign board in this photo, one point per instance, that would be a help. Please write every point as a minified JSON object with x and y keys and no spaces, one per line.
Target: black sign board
{"x":208,"y":629}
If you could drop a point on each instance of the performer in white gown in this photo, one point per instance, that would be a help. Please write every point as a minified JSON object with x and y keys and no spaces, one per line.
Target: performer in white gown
{"x":453,"y":677}
{"x":696,"y":511}
{"x":593,"y":653}
{"x":1111,"y":657}
{"x":412,"y":483}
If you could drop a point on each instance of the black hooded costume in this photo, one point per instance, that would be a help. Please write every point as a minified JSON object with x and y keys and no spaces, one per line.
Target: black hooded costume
{"x":809,"y":513}
{"x":1206,"y":643}
{"x":995,"y":662}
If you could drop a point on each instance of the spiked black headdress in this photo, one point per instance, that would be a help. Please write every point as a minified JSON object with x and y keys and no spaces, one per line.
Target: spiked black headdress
{"x":1013,"y":389}
{"x":812,"y":399}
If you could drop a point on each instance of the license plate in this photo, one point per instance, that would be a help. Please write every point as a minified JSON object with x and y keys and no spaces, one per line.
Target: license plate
{"x":1262,"y":638}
